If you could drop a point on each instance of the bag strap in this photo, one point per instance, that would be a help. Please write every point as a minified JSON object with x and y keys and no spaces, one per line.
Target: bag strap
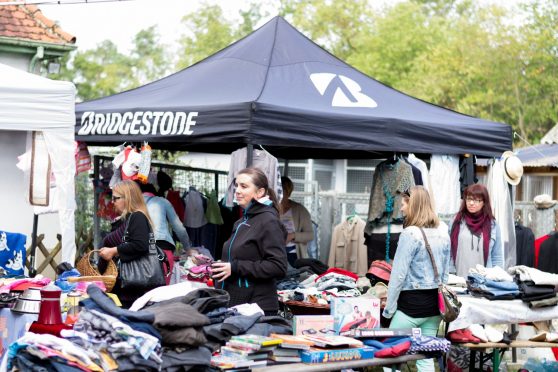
{"x":427,"y":245}
{"x":126,"y":229}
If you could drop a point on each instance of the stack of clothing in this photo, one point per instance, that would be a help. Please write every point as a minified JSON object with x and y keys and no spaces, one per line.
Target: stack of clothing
{"x":320,"y":289}
{"x":491,"y":283}
{"x":538,"y":288}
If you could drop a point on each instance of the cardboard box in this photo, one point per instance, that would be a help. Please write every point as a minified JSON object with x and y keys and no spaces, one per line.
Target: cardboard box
{"x":336,"y":355}
{"x":313,"y":325}
{"x":354,"y":313}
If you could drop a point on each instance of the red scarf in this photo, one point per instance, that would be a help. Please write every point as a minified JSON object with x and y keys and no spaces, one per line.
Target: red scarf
{"x":477,"y":224}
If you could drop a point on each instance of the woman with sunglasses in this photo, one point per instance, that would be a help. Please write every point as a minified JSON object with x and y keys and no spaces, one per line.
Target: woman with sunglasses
{"x":128,"y":201}
{"x":412,"y":300}
{"x":475,"y":235}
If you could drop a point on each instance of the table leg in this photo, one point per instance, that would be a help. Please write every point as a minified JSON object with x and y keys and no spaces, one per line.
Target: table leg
{"x":496,"y":360}
{"x":472,"y":357}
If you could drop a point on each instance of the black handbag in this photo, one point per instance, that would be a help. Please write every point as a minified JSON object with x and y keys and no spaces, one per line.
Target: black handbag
{"x":145,"y":272}
{"x":448,"y":302}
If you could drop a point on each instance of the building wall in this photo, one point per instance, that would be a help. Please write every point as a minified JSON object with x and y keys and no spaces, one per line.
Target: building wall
{"x":18,"y":61}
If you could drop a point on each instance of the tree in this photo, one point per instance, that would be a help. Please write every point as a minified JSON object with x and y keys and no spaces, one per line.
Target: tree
{"x":104,"y":70}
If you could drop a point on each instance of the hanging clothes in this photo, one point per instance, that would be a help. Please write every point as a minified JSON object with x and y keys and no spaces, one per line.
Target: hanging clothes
{"x":548,"y":253}
{"x":525,"y":246}
{"x":538,"y":243}
{"x":389,"y":183}
{"x":500,"y":199}
{"x":348,"y":250}
{"x":421,"y":166}
{"x":444,"y":178}
{"x":467,"y":174}
{"x":261,"y":159}
{"x":194,"y":211}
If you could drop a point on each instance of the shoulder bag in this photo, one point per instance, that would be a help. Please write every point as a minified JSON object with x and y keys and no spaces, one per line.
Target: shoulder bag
{"x":448,"y":303}
{"x":145,"y":272}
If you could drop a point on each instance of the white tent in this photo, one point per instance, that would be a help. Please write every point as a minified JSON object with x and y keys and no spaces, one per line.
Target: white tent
{"x":32,"y":103}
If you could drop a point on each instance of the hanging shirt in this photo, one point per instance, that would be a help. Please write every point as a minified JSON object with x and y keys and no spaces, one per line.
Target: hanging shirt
{"x":444,"y":178}
{"x":261,"y":159}
{"x":421,"y":165}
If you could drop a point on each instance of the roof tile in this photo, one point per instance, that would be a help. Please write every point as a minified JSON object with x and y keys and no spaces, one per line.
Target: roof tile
{"x":28,"y":22}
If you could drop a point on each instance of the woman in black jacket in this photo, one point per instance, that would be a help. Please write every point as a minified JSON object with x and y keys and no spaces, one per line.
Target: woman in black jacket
{"x":128,"y":200}
{"x":255,"y":253}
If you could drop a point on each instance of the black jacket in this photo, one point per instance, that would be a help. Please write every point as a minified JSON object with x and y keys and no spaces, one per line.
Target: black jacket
{"x":256,"y":251}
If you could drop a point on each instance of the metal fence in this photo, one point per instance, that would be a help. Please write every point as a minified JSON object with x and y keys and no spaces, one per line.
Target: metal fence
{"x":184,"y":177}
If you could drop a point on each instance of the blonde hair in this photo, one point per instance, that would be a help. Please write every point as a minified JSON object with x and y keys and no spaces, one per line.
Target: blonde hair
{"x":420,"y":211}
{"x":133,"y":198}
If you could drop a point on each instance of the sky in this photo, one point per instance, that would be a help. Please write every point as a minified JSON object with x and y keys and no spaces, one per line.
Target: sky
{"x":120,"y":21}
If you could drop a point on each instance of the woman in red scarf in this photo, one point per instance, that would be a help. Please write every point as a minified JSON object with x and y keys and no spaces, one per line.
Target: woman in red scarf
{"x":475,"y":235}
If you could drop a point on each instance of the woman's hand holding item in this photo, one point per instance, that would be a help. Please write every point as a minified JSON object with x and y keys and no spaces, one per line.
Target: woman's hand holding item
{"x":107,"y":253}
{"x":290,"y":237}
{"x":221,"y":270}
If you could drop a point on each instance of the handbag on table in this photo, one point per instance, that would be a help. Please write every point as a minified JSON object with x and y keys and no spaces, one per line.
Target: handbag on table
{"x":145,"y":272}
{"x":448,"y":303}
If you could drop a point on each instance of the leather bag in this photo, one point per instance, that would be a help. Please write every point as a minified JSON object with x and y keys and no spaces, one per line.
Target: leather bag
{"x":145,"y":272}
{"x":448,"y":303}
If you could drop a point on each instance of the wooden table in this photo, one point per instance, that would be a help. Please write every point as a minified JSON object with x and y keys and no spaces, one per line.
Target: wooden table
{"x":336,"y":366}
{"x":498,"y":349}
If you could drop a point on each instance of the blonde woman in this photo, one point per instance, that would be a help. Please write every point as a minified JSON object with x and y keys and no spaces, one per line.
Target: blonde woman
{"x":128,"y":201}
{"x":412,"y":300}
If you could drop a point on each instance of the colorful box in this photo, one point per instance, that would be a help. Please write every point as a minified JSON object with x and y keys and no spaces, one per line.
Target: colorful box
{"x":313,"y":325}
{"x":336,"y":355}
{"x":354,"y":313}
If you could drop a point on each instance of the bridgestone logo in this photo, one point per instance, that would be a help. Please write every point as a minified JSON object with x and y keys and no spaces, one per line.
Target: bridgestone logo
{"x":140,"y":122}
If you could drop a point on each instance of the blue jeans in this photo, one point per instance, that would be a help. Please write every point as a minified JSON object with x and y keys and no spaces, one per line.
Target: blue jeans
{"x":429,"y":327}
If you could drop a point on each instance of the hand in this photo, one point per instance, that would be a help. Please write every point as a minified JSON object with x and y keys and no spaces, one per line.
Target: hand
{"x":221,"y":270}
{"x":107,"y":253}
{"x":290,"y":237}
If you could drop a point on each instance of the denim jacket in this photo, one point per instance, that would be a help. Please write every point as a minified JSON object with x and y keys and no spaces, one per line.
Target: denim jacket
{"x":495,"y":248}
{"x":412,"y":268}
{"x":162,"y":215}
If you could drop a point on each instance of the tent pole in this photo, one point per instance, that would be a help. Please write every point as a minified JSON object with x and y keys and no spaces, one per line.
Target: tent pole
{"x":286,"y":168}
{"x":249,"y":155}
{"x":96,"y":225}
{"x":32,"y":270}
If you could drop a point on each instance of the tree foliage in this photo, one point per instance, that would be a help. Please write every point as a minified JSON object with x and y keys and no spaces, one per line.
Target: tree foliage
{"x":498,"y":63}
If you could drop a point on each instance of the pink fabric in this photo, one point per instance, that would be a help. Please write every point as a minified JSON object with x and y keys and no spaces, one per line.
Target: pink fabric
{"x":170,"y":257}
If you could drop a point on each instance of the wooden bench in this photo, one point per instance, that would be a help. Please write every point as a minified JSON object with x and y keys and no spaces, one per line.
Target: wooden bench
{"x":498,"y":350}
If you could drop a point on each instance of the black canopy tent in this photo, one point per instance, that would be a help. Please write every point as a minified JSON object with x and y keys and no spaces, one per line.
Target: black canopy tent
{"x":279,"y":89}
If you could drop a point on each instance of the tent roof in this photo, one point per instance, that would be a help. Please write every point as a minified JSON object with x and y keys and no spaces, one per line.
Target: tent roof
{"x":31,"y":102}
{"x":279,"y":89}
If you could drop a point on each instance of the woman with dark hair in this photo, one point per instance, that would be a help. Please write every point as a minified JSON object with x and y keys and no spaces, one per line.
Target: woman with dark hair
{"x":475,"y":235}
{"x":255,"y":254}
{"x":298,"y":223}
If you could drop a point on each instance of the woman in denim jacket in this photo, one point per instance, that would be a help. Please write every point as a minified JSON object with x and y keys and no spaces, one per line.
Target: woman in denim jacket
{"x":412,"y":300}
{"x":475,"y":235}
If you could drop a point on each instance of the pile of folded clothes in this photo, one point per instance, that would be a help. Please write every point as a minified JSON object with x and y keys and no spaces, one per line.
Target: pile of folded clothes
{"x":537,"y":288}
{"x":491,"y":283}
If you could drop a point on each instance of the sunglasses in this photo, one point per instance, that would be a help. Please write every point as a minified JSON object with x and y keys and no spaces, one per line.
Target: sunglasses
{"x":115,"y":198}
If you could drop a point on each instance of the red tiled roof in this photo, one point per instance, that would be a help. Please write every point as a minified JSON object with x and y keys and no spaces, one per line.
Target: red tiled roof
{"x":28,"y":22}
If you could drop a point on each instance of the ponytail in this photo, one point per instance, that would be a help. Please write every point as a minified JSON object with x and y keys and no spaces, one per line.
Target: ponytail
{"x":273,"y":198}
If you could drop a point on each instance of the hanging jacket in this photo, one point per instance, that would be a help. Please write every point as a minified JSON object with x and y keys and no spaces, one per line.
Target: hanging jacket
{"x":256,"y":251}
{"x":348,"y":250}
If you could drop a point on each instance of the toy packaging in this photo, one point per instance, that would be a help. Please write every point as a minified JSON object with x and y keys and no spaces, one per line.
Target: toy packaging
{"x":313,"y":325}
{"x":354,"y":313}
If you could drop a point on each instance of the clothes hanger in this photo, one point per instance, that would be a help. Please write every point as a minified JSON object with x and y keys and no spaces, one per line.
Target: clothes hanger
{"x":351,"y":216}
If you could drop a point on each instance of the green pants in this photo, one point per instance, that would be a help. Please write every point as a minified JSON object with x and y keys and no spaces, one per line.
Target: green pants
{"x":429,"y":327}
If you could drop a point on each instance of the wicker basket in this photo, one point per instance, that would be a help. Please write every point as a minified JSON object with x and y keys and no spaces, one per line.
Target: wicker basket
{"x":88,"y":270}
{"x":108,"y":280}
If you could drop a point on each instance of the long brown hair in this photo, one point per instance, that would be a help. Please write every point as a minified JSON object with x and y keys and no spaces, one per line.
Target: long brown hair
{"x":420,"y":211}
{"x":133,"y":198}
{"x":259,"y":179}
{"x":476,"y":191}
